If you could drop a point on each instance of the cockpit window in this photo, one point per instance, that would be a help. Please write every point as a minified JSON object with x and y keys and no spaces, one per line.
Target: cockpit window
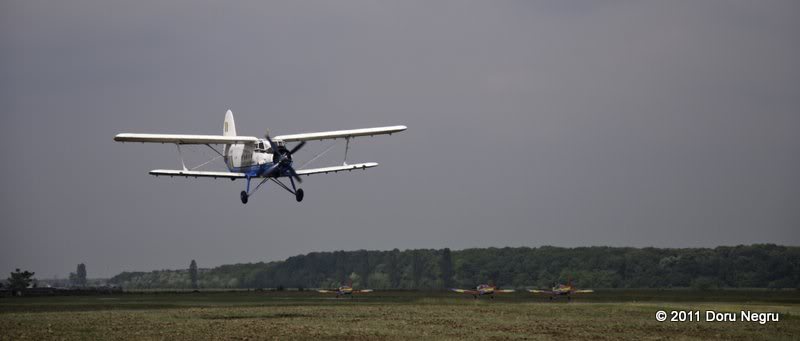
{"x":261,"y":145}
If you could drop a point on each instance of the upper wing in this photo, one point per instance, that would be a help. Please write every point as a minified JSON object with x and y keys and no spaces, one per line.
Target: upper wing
{"x":362,"y":291}
{"x":202,"y":174}
{"x":184,"y":139}
{"x":326,"y":291}
{"x":230,"y":175}
{"x":504,"y":291}
{"x":584,"y":291}
{"x":535,"y":291}
{"x":326,"y":135}
{"x":464,"y":291}
{"x":219,"y":139}
{"x":335,"y":169}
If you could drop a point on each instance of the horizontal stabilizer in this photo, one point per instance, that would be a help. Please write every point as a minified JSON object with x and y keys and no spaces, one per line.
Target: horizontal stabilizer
{"x":335,"y":169}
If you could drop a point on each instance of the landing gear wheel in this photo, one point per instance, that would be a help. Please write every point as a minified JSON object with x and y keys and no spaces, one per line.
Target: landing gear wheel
{"x":299,"y":195}
{"x":243,"y":195}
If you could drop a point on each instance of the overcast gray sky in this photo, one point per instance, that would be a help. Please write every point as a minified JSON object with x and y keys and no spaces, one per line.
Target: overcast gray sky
{"x":568,"y":123}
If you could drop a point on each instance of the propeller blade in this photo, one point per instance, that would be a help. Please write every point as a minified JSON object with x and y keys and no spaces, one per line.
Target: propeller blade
{"x":294,"y":175}
{"x":274,"y":147}
{"x":269,"y":139}
{"x":297,"y":147}
{"x":271,"y":169}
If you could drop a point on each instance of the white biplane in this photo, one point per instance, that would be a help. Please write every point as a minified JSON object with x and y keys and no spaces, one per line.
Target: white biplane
{"x":249,"y":157}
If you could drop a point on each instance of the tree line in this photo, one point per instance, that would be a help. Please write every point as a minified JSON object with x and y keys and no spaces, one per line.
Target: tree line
{"x":744,"y":266}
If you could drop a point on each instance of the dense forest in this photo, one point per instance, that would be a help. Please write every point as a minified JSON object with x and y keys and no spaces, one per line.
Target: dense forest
{"x":754,"y":266}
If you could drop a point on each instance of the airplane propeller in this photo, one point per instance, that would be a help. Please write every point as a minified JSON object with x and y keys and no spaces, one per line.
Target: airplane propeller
{"x":282,"y":156}
{"x":297,"y":147}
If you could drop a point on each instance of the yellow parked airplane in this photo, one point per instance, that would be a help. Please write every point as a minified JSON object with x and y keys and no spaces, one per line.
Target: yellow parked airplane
{"x":483,"y":289}
{"x":561,"y":290}
{"x":344,"y":290}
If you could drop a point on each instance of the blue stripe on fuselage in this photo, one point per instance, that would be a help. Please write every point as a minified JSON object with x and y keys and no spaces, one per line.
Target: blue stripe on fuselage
{"x":253,"y":170}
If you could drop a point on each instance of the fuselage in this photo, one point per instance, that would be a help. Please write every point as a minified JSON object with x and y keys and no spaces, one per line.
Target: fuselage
{"x":253,"y":160}
{"x":485,"y":289}
{"x":344,"y":291}
{"x":561,"y":289}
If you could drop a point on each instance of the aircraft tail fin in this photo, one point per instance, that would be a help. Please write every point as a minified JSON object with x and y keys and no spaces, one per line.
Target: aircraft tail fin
{"x":229,"y":127}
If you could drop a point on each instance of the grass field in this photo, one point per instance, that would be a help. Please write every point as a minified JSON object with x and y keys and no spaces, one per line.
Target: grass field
{"x":393,"y":315}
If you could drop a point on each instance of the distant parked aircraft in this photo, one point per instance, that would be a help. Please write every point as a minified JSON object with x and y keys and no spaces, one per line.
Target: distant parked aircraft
{"x":248,"y":157}
{"x":483,"y":289}
{"x":561,"y":290}
{"x":345,"y":290}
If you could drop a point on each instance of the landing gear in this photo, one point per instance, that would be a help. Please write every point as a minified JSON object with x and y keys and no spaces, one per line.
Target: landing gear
{"x":246,"y":192}
{"x":298,"y":192}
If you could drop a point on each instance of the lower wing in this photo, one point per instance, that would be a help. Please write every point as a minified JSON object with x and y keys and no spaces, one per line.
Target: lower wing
{"x":231,"y":175}
{"x":464,"y":291}
{"x":587,"y":291}
{"x":327,"y":291}
{"x":504,"y":291}
{"x":335,"y":169}
{"x":364,"y":291}
{"x":197,"y":174}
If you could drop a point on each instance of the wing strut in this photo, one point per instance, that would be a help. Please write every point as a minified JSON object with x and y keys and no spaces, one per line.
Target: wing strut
{"x":318,"y":155}
{"x":215,"y":150}
{"x":346,"y":148}
{"x":209,"y":161}
{"x":183,"y":164}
